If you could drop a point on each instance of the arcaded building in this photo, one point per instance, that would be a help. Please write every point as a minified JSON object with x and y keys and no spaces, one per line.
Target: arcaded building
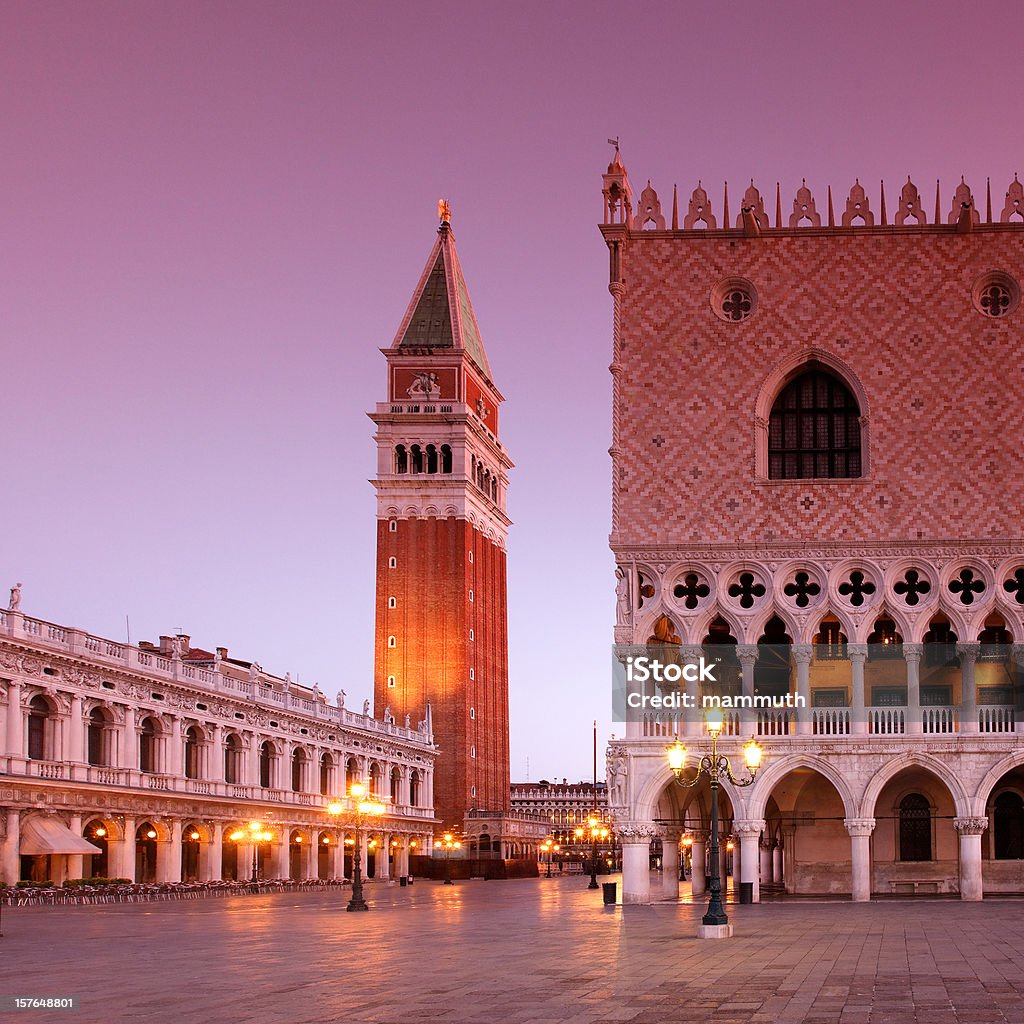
{"x":150,"y":762}
{"x":816,"y":474}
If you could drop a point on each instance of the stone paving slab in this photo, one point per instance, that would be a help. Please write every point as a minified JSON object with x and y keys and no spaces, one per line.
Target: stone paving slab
{"x":530,"y":951}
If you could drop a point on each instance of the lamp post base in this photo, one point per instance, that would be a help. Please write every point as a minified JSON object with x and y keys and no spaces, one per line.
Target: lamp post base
{"x":714,"y":931}
{"x":354,"y":904}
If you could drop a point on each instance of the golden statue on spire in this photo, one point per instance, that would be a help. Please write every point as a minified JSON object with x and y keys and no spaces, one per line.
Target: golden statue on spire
{"x":444,"y":211}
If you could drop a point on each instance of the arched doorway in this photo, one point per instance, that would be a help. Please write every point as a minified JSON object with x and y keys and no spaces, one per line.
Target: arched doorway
{"x":805,"y":817}
{"x":41,"y":740}
{"x":191,"y":838}
{"x":297,"y":852}
{"x":98,"y":865}
{"x":915,"y":849}
{"x":193,"y":739}
{"x":147,"y":745}
{"x":99,"y":737}
{"x":324,"y":851}
{"x":1002,"y":844}
{"x":145,"y":852}
{"x":233,"y":759}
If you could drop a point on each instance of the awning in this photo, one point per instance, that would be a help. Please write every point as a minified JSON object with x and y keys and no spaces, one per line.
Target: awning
{"x":48,"y":835}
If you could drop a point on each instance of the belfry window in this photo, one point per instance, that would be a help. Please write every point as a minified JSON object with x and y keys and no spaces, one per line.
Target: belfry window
{"x":814,"y":430}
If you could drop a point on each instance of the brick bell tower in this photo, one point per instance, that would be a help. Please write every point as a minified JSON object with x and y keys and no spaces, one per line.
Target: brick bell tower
{"x":442,"y":477}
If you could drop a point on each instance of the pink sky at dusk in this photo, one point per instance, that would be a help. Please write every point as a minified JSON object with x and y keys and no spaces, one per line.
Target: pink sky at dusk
{"x":215,"y":214}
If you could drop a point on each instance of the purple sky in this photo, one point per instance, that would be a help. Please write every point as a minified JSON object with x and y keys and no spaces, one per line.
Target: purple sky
{"x":214,"y":215}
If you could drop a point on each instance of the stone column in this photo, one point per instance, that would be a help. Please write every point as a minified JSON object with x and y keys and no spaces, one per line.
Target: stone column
{"x":858,"y":716}
{"x":213,"y":755}
{"x":334,"y":857}
{"x":805,"y":716}
{"x":74,"y":860}
{"x":698,"y":863}
{"x":1017,"y":654}
{"x":76,"y":737}
{"x":693,"y":725}
{"x":127,"y":868}
{"x":789,"y":857}
{"x":912,"y":655}
{"x":968,"y":694}
{"x":970,"y":830}
{"x":766,"y":861}
{"x":749,"y":833}
{"x":636,"y":864}
{"x":384,"y":867}
{"x":747,"y":653}
{"x":174,"y":761}
{"x":777,"y":862}
{"x":364,"y":854}
{"x":252,"y":759}
{"x":213,"y":869}
{"x":15,"y":721}
{"x":280,"y":853}
{"x":860,"y":830}
{"x":130,"y":746}
{"x":10,"y":864}
{"x":168,"y":855}
{"x":670,"y":866}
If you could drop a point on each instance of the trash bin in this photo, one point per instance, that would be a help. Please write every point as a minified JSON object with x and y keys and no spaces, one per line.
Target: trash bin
{"x":403,"y":881}
{"x":410,"y":879}
{"x":746,"y":892}
{"x":609,"y":893}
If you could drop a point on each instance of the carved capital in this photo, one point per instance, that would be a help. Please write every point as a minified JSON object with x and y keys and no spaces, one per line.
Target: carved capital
{"x":968,"y":651}
{"x":859,"y":826}
{"x":970,"y":826}
{"x":698,"y":835}
{"x":913,"y":652}
{"x":802,"y":653}
{"x":747,"y":827}
{"x":857,"y":652}
{"x":636,"y":834}
{"x":747,"y":653}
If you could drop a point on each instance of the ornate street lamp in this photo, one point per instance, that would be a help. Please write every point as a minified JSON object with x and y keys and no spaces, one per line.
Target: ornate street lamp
{"x":550,"y":847}
{"x":361,"y":808}
{"x":715,"y":766}
{"x":597,"y":833}
{"x":448,"y":843}
{"x":256,"y":834}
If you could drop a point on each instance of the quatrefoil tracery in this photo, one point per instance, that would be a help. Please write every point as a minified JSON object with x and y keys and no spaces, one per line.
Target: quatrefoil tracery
{"x":856,"y":588}
{"x":802,"y":589}
{"x":965,"y":585}
{"x":691,"y":591}
{"x":747,"y":589}
{"x":912,"y":587}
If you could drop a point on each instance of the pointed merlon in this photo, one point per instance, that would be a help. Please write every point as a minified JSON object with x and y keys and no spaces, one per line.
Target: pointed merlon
{"x":725,"y":207}
{"x":778,"y":205}
{"x":988,"y":200}
{"x":831,"y":214}
{"x":938,"y":212}
{"x":884,"y":221}
{"x":675,"y":209}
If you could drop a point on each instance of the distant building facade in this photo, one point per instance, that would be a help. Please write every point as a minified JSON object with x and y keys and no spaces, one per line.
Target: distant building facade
{"x":565,"y":806}
{"x":148,"y":762}
{"x":816,"y":470}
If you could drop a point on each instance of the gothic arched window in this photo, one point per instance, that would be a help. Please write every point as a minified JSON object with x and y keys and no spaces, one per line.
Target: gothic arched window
{"x":814,"y":430}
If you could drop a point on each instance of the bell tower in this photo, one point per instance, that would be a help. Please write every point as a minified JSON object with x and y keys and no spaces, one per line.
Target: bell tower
{"x":442,"y":479}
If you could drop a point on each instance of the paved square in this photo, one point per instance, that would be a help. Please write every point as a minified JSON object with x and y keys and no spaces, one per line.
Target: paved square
{"x":517,"y":952}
